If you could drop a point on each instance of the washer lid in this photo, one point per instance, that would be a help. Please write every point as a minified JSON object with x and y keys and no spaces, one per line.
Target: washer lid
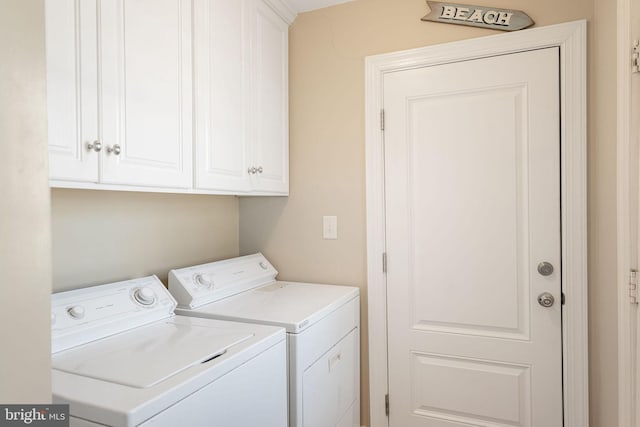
{"x":148,"y":355}
{"x":294,"y":306}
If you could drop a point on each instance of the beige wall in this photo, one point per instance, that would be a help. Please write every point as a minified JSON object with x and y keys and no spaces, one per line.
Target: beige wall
{"x":327,"y":50}
{"x":25,"y":243}
{"x":106,"y":236}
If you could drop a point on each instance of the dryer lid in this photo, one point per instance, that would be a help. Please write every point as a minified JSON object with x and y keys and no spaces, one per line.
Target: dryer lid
{"x":148,"y":355}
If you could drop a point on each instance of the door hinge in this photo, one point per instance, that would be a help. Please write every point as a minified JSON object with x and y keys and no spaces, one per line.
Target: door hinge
{"x":381,"y":119}
{"x":635,"y":57}
{"x":384,"y":262}
{"x":386,"y":404}
{"x":633,"y":287}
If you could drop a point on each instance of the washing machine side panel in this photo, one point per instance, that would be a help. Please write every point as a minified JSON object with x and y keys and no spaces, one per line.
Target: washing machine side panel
{"x":295,"y":380}
{"x":254,"y":394}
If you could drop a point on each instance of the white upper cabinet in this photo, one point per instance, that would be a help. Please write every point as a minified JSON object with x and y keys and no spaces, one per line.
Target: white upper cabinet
{"x":169,"y":95}
{"x":72,"y":92}
{"x":241,"y":90}
{"x":119,"y":98}
{"x":146,"y":92}
{"x":221,"y":59}
{"x":271,"y":76}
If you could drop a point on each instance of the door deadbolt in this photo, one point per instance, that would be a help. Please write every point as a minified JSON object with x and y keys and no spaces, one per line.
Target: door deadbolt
{"x":545,"y":268}
{"x":546,"y":300}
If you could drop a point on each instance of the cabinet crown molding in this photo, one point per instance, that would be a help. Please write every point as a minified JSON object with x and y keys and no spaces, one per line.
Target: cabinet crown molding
{"x":284,"y":9}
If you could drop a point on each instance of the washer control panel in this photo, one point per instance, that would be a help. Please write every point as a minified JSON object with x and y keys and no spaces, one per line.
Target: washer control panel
{"x":88,"y":314}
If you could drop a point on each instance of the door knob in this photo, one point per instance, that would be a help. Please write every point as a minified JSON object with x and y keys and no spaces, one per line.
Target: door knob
{"x":546,"y":300}
{"x":545,"y":268}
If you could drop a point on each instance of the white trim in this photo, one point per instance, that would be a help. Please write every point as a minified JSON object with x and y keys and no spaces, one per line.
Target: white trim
{"x":571,"y":38}
{"x":138,"y":188}
{"x":284,"y":9}
{"x":626,"y":371}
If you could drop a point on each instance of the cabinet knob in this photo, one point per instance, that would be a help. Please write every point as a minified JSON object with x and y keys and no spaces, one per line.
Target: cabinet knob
{"x":259,"y":169}
{"x":95,"y":146}
{"x":252,"y":170}
{"x":115,"y":150}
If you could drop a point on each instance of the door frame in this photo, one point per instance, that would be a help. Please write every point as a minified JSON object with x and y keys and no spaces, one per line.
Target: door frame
{"x":626,"y":186}
{"x":571,"y":38}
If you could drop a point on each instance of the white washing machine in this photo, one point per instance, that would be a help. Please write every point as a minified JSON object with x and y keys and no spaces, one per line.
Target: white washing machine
{"x":322,"y":323}
{"x":122,"y":358}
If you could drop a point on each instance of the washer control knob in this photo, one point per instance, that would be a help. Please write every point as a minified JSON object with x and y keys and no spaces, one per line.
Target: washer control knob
{"x":145,"y":295}
{"x":77,"y":311}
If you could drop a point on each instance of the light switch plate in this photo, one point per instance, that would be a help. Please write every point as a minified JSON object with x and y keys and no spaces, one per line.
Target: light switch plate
{"x":330,"y":227}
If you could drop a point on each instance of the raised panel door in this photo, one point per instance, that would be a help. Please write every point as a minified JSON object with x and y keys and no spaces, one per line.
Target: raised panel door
{"x":146,"y":92}
{"x":221,"y":59}
{"x":72,"y":103}
{"x":271,"y":112}
{"x":472,"y":189}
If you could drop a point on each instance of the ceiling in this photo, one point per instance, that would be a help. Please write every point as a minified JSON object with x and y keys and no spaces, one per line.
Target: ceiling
{"x":308,"y":5}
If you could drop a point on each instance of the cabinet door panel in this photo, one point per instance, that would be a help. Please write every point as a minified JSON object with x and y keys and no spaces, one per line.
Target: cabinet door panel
{"x":72,"y":103}
{"x":272,"y":110}
{"x":221,"y":89}
{"x":145,"y":49}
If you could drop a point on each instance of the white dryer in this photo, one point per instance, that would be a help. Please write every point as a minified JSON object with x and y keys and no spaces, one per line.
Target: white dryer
{"x":322,"y":323}
{"x":122,"y":358}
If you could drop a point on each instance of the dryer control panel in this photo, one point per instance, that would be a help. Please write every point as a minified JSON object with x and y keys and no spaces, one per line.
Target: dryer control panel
{"x":206,"y":283}
{"x":83,"y":315}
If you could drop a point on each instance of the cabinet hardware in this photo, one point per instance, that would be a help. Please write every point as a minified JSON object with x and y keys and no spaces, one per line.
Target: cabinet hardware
{"x":115,"y":150}
{"x":95,"y":146}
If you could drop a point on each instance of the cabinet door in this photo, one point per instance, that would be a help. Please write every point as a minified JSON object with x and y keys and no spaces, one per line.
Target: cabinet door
{"x":271,"y":116}
{"x":145,"y":92}
{"x":221,"y":90}
{"x":72,"y":89}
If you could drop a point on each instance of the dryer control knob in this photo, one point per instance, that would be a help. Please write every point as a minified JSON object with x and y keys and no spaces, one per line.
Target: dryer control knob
{"x":77,"y":311}
{"x":145,"y":295}
{"x":204,"y":281}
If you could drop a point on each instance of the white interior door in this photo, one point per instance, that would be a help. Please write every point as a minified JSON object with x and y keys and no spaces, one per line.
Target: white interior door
{"x":472,"y":187}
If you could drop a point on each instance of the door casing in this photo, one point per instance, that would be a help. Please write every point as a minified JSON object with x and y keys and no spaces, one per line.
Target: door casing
{"x":571,"y":38}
